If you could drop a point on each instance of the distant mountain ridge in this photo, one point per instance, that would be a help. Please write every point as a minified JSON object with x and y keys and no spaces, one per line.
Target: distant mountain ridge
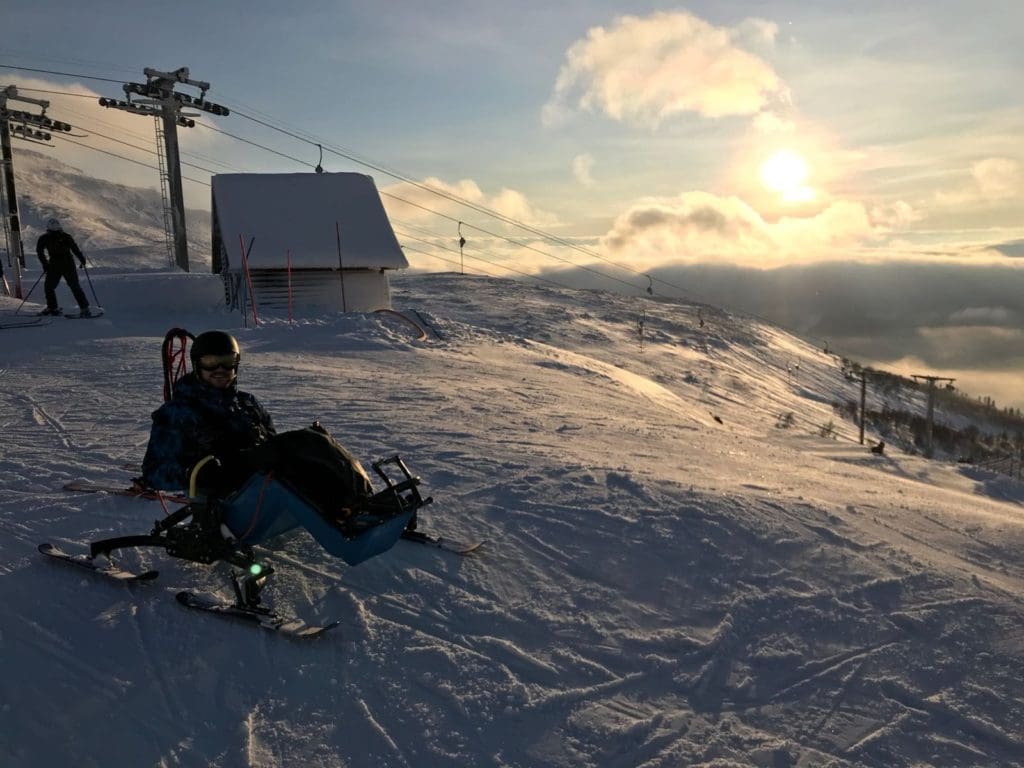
{"x":117,"y":225}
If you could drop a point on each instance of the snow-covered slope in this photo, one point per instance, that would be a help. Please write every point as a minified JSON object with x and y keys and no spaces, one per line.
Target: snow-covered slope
{"x":680,"y":569}
{"x":116,"y":225}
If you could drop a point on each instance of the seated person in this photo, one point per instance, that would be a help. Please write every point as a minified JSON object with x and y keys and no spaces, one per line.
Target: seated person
{"x":207,"y":415}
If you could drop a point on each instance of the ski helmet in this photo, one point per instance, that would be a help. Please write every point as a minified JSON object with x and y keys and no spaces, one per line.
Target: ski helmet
{"x":214,"y":344}
{"x":53,"y":225}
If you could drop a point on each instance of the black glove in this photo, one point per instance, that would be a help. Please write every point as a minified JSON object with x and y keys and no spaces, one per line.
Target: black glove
{"x":265,"y":457}
{"x":45,"y":263}
{"x":81,"y":261}
{"x":235,"y":469}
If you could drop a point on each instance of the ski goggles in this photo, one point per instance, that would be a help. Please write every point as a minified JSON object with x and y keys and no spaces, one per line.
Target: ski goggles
{"x":215,"y":362}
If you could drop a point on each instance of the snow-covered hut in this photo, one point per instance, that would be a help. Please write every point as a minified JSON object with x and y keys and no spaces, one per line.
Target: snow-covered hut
{"x":333,"y":225}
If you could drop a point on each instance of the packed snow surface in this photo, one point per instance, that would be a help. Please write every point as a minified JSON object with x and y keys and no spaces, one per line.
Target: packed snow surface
{"x":689,"y":558}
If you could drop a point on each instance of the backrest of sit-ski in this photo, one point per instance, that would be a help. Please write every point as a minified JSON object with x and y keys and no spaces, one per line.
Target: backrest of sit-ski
{"x":174,"y":357}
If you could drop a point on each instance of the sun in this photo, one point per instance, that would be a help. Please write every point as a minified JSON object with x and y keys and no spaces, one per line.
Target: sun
{"x":785,"y":172}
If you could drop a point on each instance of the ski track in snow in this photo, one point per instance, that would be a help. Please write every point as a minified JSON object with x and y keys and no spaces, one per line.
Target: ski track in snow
{"x":671,"y":578}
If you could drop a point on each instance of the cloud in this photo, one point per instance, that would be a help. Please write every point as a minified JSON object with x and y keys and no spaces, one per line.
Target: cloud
{"x":755,"y":32}
{"x":772,"y":123}
{"x":581,"y":167}
{"x":409,"y":201}
{"x":998,"y":178}
{"x":514,"y":205}
{"x":1014,"y":249}
{"x":644,"y":70}
{"x":78,"y":105}
{"x":895,"y":215}
{"x":985,"y":316}
{"x":992,"y":347}
{"x":702,"y":227}
{"x":991,"y":179}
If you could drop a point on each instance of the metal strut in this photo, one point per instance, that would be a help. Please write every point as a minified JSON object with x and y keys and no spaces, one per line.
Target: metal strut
{"x":200,"y":540}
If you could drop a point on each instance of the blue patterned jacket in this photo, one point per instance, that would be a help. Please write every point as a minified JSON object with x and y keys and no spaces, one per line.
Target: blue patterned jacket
{"x":200,"y":420}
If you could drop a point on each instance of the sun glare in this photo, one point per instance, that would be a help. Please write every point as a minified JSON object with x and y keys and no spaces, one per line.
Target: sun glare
{"x":785,"y":172}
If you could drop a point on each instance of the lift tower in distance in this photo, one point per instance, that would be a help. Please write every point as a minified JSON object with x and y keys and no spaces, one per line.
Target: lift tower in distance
{"x":929,"y":450}
{"x":161,"y":101}
{"x":30,"y":127}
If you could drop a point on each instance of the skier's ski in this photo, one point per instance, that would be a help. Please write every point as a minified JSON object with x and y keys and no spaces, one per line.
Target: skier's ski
{"x":108,"y":569}
{"x":264,"y":618}
{"x":35,"y":322}
{"x":93,"y":314}
{"x":458,"y":547}
{"x":138,"y":493}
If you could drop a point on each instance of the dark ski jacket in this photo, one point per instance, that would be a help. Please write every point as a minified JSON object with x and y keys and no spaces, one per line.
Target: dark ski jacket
{"x":60,"y":246}
{"x":198,"y":421}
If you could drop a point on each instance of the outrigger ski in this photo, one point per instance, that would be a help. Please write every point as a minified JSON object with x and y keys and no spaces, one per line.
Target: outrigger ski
{"x":134,"y":492}
{"x":84,"y":561}
{"x":255,"y":614}
{"x":264,"y":617}
{"x":441,"y":542}
{"x":34,"y":322}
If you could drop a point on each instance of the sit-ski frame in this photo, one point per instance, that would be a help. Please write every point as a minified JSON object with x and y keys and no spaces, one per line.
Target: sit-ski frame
{"x":203,"y":539}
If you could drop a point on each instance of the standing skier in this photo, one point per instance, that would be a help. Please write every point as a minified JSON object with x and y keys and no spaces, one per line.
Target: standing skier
{"x":60,"y":246}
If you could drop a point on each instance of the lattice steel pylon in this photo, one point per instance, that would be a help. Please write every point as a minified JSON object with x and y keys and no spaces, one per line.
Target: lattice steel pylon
{"x":17,"y":123}
{"x":158,"y":98}
{"x":4,"y":285}
{"x":165,"y":199}
{"x":7,"y":225}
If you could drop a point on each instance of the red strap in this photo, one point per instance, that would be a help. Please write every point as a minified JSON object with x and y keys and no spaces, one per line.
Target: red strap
{"x":175,"y":361}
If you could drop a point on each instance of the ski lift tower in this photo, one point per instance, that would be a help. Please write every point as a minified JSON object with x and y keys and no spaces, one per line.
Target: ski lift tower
{"x":30,"y":127}
{"x":929,"y":450}
{"x":161,"y":101}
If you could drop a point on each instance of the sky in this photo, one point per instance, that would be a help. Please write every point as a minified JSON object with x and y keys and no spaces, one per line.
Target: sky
{"x":688,"y":558}
{"x":654,"y":137}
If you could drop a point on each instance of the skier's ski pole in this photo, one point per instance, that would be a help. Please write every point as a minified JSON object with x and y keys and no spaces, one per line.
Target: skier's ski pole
{"x":30,"y":292}
{"x":95,"y":298}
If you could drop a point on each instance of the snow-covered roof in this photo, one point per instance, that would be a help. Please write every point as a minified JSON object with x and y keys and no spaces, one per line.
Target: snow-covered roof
{"x":303,"y":213}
